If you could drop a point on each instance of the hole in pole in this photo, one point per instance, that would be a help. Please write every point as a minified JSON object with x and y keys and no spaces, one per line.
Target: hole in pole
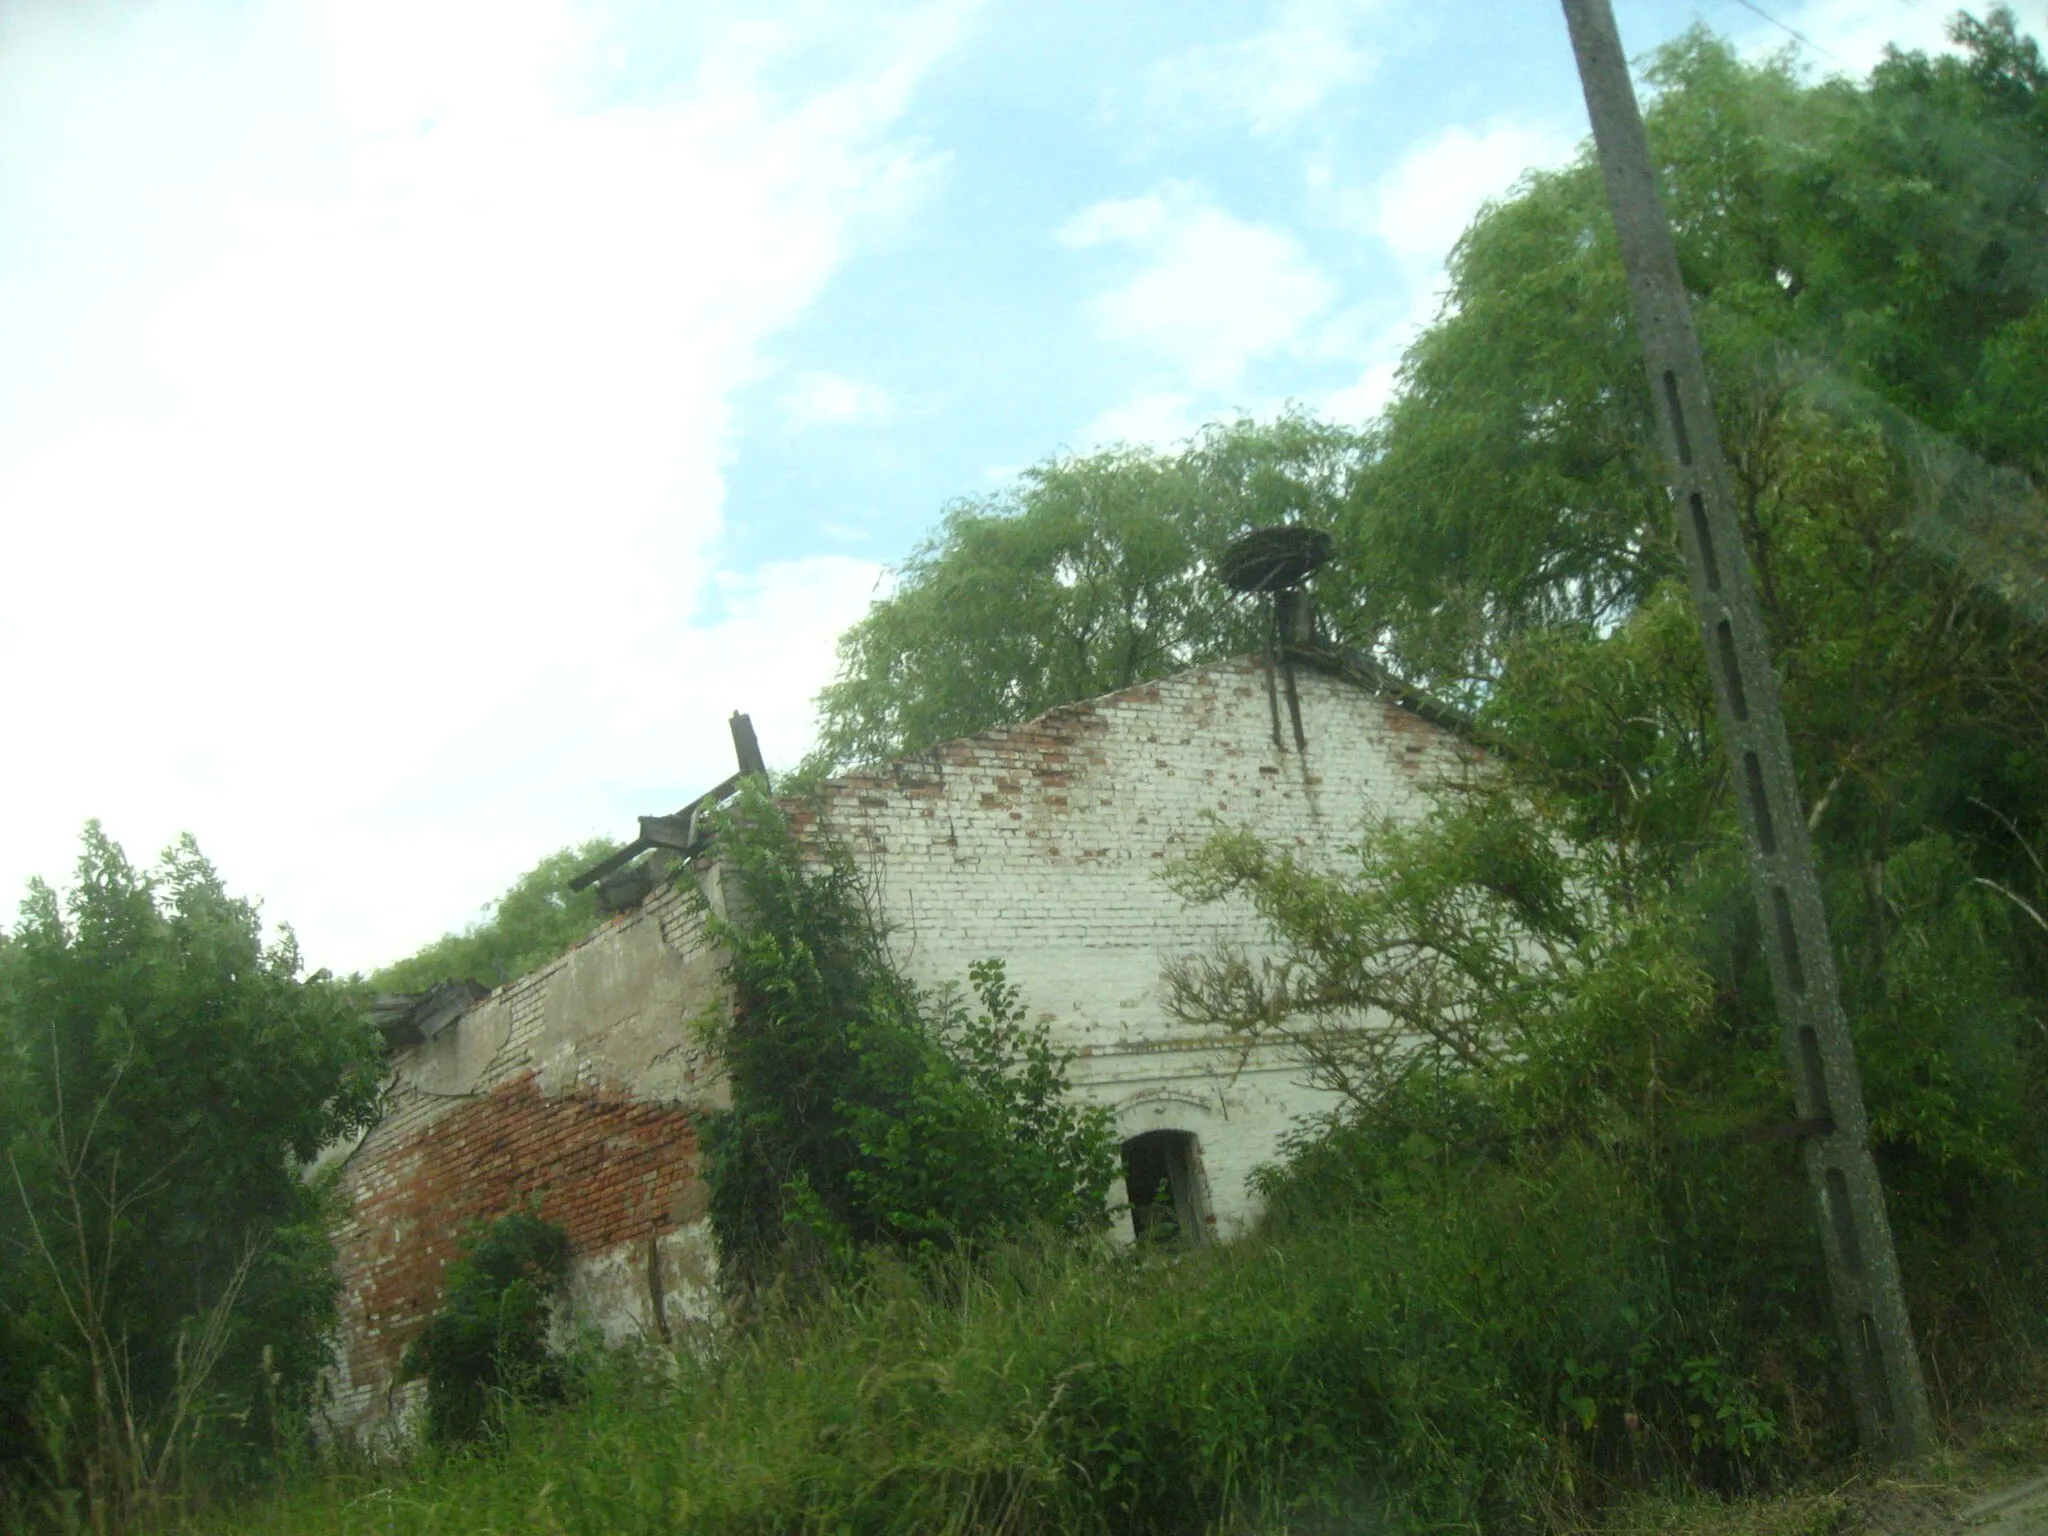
{"x":1731,"y":669}
{"x":1759,"y":803}
{"x":1817,"y":1105}
{"x":1678,"y":432}
{"x":1874,"y":1376}
{"x":1844,"y":1220}
{"x":1704,"y":538}
{"x":1788,"y":939}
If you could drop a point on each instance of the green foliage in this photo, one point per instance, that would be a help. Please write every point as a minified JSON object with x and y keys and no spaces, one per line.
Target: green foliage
{"x":1556,"y":1063}
{"x":865,"y":1111}
{"x":1545,"y":1005}
{"x":1092,"y":574}
{"x":1558,"y":975}
{"x":536,"y":919}
{"x":1889,"y":236}
{"x":163,"y":1074}
{"x":486,"y":1346}
{"x":1545,"y":1008}
{"x":1317,"y":1382}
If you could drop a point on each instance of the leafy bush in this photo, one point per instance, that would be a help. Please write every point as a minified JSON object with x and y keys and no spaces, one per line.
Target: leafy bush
{"x":486,"y":1346}
{"x":865,"y":1110}
{"x":168,"y":1280}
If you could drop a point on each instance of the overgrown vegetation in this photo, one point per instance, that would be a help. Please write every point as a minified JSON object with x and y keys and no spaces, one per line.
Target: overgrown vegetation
{"x":1552,"y":1253}
{"x":1349,"y":1372}
{"x":536,"y":919}
{"x":865,"y":1110}
{"x":1549,"y":1002}
{"x":486,"y":1347}
{"x":167,"y":1281}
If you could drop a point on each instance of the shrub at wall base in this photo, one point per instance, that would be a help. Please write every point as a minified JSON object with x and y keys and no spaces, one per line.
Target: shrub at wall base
{"x":487,"y":1346}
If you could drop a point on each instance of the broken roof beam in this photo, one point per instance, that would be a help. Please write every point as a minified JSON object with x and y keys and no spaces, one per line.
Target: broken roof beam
{"x":662,"y":826}
{"x":625,"y":890}
{"x":746,"y":747}
{"x":414,"y":1018}
{"x":678,"y":831}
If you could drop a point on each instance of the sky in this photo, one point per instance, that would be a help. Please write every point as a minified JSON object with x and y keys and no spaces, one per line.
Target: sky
{"x":423,"y":422}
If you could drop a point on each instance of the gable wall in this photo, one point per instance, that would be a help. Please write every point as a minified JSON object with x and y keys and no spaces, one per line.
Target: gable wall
{"x":1043,"y":845}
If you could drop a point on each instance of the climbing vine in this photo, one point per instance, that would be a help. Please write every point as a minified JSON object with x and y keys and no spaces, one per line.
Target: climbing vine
{"x":866,"y":1110}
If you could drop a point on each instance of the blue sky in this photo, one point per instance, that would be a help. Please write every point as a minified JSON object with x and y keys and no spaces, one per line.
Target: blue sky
{"x":422,"y":421}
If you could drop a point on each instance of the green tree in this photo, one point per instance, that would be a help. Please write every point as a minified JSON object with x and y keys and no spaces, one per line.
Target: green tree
{"x":164,"y":1076}
{"x":1887,"y":238}
{"x":536,"y":919}
{"x":1090,"y":575}
{"x":865,"y":1110}
{"x":1554,"y":987}
{"x":1864,"y":258}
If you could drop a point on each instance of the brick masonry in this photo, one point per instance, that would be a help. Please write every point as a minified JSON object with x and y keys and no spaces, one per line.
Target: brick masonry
{"x":1041,"y":844}
{"x":573,"y":1091}
{"x":1044,"y":845}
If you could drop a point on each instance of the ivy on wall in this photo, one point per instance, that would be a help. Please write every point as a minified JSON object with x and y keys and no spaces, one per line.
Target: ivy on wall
{"x":866,"y":1110}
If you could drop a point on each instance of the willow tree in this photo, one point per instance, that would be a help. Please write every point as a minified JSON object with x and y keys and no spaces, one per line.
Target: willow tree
{"x":1881,"y":244}
{"x":1090,"y":574}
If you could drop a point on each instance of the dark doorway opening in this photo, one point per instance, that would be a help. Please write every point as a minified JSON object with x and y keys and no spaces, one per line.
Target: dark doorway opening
{"x":1162,"y":1175}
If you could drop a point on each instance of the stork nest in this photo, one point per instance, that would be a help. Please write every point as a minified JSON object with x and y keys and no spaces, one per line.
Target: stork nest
{"x":1273,"y":559}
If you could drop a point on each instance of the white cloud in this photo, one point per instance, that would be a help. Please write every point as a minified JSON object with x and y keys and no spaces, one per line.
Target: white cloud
{"x":364,"y":381}
{"x":1212,"y":294}
{"x":1128,"y":220}
{"x":1423,"y":204}
{"x":1418,"y":210}
{"x":1849,"y":36}
{"x":1277,"y":76}
{"x":823,"y":399}
{"x":1159,"y":420}
{"x":1367,"y":395}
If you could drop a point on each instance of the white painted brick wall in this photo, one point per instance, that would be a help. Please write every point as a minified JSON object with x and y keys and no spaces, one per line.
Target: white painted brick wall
{"x":1043,"y":845}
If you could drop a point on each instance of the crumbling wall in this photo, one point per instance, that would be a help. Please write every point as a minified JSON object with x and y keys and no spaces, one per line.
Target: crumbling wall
{"x":571,"y":1092}
{"x":1043,"y":845}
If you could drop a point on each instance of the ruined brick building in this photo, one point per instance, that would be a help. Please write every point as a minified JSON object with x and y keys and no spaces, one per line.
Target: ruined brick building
{"x":575,"y":1087}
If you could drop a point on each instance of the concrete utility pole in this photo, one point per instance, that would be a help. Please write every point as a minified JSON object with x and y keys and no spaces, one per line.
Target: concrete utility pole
{"x":1863,"y":1267}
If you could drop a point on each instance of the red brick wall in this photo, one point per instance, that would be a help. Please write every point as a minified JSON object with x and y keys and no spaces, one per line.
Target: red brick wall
{"x":608,"y":1169}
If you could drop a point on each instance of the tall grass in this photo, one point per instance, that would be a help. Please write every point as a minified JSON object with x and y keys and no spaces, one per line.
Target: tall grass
{"x":1500,"y":1355}
{"x":1049,"y":1389}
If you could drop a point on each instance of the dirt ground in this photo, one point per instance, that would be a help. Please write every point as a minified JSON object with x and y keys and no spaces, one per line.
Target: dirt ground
{"x":2018,"y":1510}
{"x":1990,"y":1480}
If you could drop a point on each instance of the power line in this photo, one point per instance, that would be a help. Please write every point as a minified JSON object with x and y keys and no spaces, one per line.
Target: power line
{"x":1747,"y":5}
